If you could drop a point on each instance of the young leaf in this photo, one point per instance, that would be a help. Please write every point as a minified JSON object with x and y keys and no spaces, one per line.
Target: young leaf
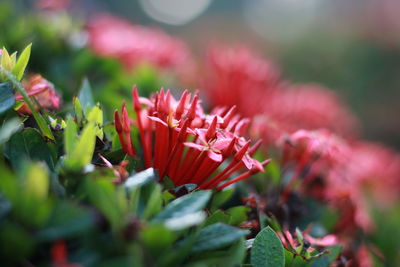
{"x":79,"y":114}
{"x":217,"y":236}
{"x":83,"y":150}
{"x":22,"y":62}
{"x":7,"y":99}
{"x":95,"y":116}
{"x":267,"y":249}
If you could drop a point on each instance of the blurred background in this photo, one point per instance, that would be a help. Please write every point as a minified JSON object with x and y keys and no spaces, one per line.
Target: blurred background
{"x":350,"y":46}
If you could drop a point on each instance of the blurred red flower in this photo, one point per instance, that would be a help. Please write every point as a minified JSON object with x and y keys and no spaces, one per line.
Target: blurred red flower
{"x":114,"y":37}
{"x":189,"y":146}
{"x":43,"y":91}
{"x":237,"y":76}
{"x":311,"y":107}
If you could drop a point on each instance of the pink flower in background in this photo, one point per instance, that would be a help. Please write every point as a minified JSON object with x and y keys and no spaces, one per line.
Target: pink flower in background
{"x":187,"y":145}
{"x":372,"y":172}
{"x":237,"y":76}
{"x":310,"y":107}
{"x":44,"y":93}
{"x":114,"y":37}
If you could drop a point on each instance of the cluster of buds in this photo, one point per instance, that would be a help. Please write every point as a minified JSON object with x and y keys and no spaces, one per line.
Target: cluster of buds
{"x":182,"y":142}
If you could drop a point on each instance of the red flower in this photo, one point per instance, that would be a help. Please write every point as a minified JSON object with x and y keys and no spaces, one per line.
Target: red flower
{"x":132,"y":44}
{"x":189,"y":146}
{"x":311,"y":107}
{"x":59,"y":255}
{"x":43,"y":91}
{"x":237,"y":76}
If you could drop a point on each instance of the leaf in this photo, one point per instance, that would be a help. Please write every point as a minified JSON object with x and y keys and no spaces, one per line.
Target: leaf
{"x":154,"y":203}
{"x":5,"y":206}
{"x":140,"y":179}
{"x":79,"y":114}
{"x":37,"y":181}
{"x":327,"y":260}
{"x":8,"y":129}
{"x":185,"y":221}
{"x":85,"y":95}
{"x":217,"y":236}
{"x":83,"y":150}
{"x":6,"y":62}
{"x":237,"y":215}
{"x":187,"y":204}
{"x":22,"y":62}
{"x":70,"y":136}
{"x":28,"y":144}
{"x":95,"y":116}
{"x":7,"y":99}
{"x":67,"y":220}
{"x":157,"y":238}
{"x":267,"y":249}
{"x":218,"y":216}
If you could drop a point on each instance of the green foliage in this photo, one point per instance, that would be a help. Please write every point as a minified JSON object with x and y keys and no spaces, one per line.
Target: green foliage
{"x":7,"y":99}
{"x":267,"y":249}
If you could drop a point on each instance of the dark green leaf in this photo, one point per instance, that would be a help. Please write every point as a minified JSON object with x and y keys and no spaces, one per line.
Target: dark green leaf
{"x":140,"y":179}
{"x":28,"y":144}
{"x":217,"y":236}
{"x":8,"y":129}
{"x":267,"y":249}
{"x":5,"y":206}
{"x":187,"y":204}
{"x":7,"y":99}
{"x":66,"y":221}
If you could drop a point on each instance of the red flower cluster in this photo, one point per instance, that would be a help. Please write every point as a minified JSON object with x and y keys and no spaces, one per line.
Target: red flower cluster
{"x":189,"y":146}
{"x":43,"y":91}
{"x":132,"y":44}
{"x":347,"y":172}
{"x":236,"y":76}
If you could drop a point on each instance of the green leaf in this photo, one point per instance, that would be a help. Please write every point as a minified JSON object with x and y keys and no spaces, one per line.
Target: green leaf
{"x":218,"y":216}
{"x":139,"y":179}
{"x":28,"y":144}
{"x":83,"y":150}
{"x":327,"y":260}
{"x":217,"y":236}
{"x":95,"y":116}
{"x":37,"y":181}
{"x":66,"y":221}
{"x":7,"y":99}
{"x":187,"y":204}
{"x":70,"y":136}
{"x":8,"y":129}
{"x":22,"y":62}
{"x":79,"y":114}
{"x":267,"y":249}
{"x":154,"y":203}
{"x":5,"y":206}
{"x":85,"y":96}
{"x":6,"y":62}
{"x":221,"y":197}
{"x":157,"y":238}
{"x":237,"y":215}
